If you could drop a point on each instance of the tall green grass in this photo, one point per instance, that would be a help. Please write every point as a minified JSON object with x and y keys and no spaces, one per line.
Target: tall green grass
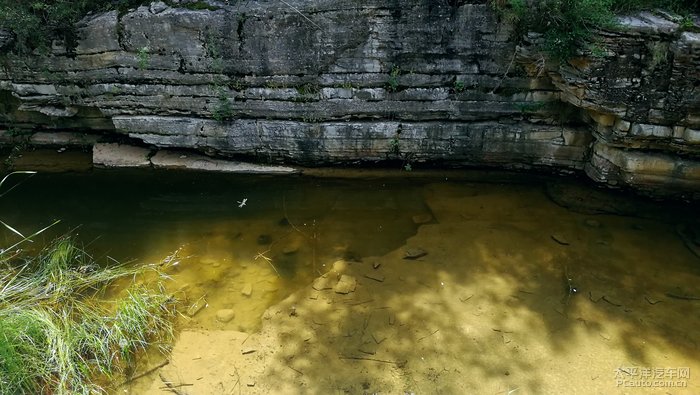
{"x":60,"y":331}
{"x":22,"y":339}
{"x":60,"y":335}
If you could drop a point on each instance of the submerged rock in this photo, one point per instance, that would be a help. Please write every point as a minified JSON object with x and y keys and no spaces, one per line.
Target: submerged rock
{"x":345,"y":284}
{"x":196,"y":307}
{"x":375,"y":276}
{"x":352,"y":256}
{"x":592,"y":223}
{"x":338,"y":267}
{"x":322,"y":283}
{"x":560,"y":239}
{"x":225,"y":315}
{"x":247,"y":289}
{"x":264,"y":239}
{"x":414,"y":253}
{"x":422,"y":219}
{"x":584,"y":199}
{"x":690,"y":237}
{"x":290,"y":249}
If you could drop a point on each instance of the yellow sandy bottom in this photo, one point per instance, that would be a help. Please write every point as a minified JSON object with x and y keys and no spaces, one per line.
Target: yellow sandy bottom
{"x":489,"y":309}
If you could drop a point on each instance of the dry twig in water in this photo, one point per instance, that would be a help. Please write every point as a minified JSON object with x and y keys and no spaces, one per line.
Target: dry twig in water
{"x":269,"y":260}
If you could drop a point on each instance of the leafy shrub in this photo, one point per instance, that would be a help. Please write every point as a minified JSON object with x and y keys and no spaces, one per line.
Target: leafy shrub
{"x":223,"y":109}
{"x":143,"y":57}
{"x":392,"y":83}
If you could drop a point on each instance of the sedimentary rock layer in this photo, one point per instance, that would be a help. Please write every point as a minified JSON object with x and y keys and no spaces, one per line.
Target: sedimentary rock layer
{"x":339,"y":82}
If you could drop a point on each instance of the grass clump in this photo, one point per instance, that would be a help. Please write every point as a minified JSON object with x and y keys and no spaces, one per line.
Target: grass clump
{"x":144,"y":312}
{"x":21,"y":340}
{"x":58,"y":333}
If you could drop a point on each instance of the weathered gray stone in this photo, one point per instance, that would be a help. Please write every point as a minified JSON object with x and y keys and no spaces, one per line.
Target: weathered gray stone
{"x":158,"y":7}
{"x":63,"y":138}
{"x":622,"y":126}
{"x":354,"y":81}
{"x":643,"y":130}
{"x":31,"y":90}
{"x":50,"y":110}
{"x":647,"y":23}
{"x":692,"y":136}
{"x":326,"y":142}
{"x":175,"y":160}
{"x":98,"y":34}
{"x":118,"y":155}
{"x":678,"y":132}
{"x":644,"y":171}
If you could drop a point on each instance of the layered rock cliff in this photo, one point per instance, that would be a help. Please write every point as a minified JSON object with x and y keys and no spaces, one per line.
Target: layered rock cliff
{"x":341,"y":82}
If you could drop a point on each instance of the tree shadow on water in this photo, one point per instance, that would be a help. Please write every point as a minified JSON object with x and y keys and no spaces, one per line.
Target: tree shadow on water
{"x":490,"y":309}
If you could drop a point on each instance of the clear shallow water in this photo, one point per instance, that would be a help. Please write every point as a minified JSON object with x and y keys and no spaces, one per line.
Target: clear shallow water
{"x":494,"y":282}
{"x":298,"y":224}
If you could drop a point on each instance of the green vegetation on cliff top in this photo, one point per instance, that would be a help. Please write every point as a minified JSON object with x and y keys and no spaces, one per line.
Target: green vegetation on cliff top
{"x":35,"y":23}
{"x":565,"y":23}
